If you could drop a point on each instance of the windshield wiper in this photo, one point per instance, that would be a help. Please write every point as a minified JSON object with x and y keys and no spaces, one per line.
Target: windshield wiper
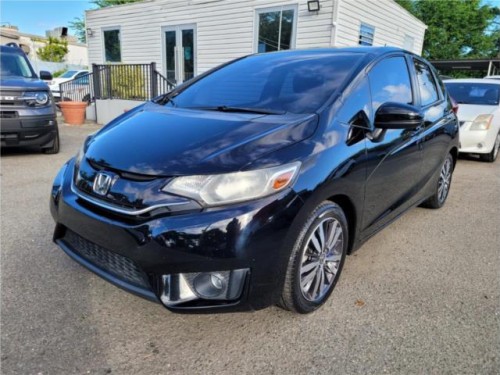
{"x":168,"y":98}
{"x":225,"y":108}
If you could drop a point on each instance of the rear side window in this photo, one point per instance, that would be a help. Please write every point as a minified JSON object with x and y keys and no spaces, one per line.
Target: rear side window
{"x":390,"y":82}
{"x":426,"y":84}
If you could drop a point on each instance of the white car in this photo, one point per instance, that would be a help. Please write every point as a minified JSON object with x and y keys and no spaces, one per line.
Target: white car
{"x":65,"y":77}
{"x":479,"y":115}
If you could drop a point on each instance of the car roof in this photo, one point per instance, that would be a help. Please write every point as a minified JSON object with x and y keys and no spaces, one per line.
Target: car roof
{"x":9,"y":49}
{"x":473,"y":80}
{"x":374,"y":51}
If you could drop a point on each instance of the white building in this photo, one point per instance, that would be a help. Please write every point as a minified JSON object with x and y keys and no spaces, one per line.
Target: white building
{"x":77,"y":52}
{"x":188,"y":37}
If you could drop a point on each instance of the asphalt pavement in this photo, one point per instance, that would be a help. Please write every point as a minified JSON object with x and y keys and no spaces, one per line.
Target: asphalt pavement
{"x":421,"y":297}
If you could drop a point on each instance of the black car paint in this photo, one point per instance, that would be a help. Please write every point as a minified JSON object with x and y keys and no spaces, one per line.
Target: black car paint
{"x":28,"y":126}
{"x":374,"y":180}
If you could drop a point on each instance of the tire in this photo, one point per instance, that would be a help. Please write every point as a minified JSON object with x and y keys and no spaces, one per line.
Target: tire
{"x":54,"y":149}
{"x":438,"y":199}
{"x":492,"y":156}
{"x":321,"y":259}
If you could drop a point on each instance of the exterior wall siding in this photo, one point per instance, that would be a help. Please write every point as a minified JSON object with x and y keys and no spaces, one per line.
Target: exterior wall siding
{"x":391,"y":23}
{"x":225,"y":29}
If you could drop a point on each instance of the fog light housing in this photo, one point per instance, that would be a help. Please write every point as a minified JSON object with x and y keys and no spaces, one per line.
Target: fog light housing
{"x":203,"y":286}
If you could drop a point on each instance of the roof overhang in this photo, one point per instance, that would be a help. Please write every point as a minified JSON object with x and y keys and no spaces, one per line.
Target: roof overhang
{"x":467,"y":64}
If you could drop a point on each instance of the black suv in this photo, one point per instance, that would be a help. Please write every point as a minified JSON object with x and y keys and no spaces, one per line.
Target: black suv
{"x":27,"y":108}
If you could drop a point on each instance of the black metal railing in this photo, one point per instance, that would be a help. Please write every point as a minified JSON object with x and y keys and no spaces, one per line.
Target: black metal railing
{"x":80,"y":89}
{"x":118,"y":81}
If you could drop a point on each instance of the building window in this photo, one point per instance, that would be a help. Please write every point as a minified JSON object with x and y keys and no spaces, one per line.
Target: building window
{"x":408,"y":43}
{"x":276,"y":29}
{"x":366,"y":33}
{"x":112,"y":45}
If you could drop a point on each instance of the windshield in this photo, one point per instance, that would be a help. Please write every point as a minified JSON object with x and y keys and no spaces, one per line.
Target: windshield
{"x":15,"y":65}
{"x":275,"y":82}
{"x":474,"y":93}
{"x":69,"y":74}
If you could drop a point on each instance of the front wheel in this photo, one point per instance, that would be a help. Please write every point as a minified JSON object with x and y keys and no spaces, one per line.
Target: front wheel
{"x":316,"y":259}
{"x":492,"y":156}
{"x":443,"y":186}
{"x":54,"y":149}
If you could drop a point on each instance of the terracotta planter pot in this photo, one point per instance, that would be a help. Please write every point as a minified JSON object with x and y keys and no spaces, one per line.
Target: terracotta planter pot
{"x":73,"y":112}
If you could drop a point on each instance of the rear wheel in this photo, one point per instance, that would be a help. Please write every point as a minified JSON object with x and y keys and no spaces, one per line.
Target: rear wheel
{"x":443,"y":186}
{"x":316,"y":260}
{"x":492,"y":156}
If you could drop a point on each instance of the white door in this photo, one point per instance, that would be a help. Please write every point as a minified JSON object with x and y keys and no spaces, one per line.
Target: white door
{"x":180,"y":52}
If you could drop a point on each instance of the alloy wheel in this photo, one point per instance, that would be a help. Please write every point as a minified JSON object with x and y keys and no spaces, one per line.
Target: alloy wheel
{"x":444,"y":180}
{"x":496,"y":146}
{"x":321,"y":259}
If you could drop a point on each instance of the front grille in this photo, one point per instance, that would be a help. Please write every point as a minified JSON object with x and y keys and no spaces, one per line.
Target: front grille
{"x":8,"y":114}
{"x":108,"y":261}
{"x":12,"y":98}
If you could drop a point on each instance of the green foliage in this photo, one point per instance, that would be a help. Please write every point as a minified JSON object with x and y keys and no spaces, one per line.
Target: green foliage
{"x":457,"y":28}
{"x":126,"y":82}
{"x":107,"y":3}
{"x":54,"y":50}
{"x":78,"y":25}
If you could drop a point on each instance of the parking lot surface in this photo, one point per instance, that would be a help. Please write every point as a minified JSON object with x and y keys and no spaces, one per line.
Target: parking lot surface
{"x":422,"y":296}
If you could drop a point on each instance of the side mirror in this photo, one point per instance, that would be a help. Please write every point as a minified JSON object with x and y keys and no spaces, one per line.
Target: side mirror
{"x":45,"y":76}
{"x":398,"y":116}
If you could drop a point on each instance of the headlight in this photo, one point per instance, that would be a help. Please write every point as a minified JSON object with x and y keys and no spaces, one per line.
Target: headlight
{"x":214,"y":190}
{"x":81,"y":151}
{"x":481,"y":122}
{"x":37,"y":98}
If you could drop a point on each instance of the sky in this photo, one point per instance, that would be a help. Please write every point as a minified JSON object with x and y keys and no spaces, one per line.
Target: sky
{"x":36,"y":16}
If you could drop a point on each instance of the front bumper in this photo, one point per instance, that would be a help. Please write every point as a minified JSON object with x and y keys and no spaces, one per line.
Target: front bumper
{"x":38,"y":130}
{"x":476,"y":141}
{"x":135,"y":254}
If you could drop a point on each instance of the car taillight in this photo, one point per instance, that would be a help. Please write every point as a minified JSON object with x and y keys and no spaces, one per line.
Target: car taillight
{"x":454,"y":105}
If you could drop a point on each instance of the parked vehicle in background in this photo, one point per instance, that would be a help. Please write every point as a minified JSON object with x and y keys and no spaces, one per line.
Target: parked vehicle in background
{"x":248,"y":185}
{"x":479,"y":115}
{"x":65,"y":77}
{"x":27,"y":109}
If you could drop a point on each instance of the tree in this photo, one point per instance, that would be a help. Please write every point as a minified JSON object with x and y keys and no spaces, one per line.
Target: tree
{"x":54,"y":50}
{"x":107,"y":3}
{"x":458,"y":28}
{"x":78,"y":24}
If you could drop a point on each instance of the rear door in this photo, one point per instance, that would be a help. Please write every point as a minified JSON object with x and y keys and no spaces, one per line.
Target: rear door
{"x":439,"y":120}
{"x":394,"y":157}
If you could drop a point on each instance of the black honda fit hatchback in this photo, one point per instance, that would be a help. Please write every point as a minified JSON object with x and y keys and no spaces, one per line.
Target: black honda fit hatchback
{"x":248,"y":185}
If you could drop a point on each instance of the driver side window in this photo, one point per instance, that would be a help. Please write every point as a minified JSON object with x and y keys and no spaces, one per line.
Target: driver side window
{"x":390,"y":82}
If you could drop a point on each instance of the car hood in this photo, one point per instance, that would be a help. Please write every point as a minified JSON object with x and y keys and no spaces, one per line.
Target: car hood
{"x":468,"y":112}
{"x":21,"y":83}
{"x":155,"y":140}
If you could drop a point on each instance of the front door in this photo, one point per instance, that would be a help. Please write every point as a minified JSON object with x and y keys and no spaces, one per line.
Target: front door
{"x":396,"y":157}
{"x":180,"y":52}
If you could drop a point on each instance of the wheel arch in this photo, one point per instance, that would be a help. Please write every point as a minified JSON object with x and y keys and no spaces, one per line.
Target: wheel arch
{"x":349,"y":209}
{"x":454,"y":154}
